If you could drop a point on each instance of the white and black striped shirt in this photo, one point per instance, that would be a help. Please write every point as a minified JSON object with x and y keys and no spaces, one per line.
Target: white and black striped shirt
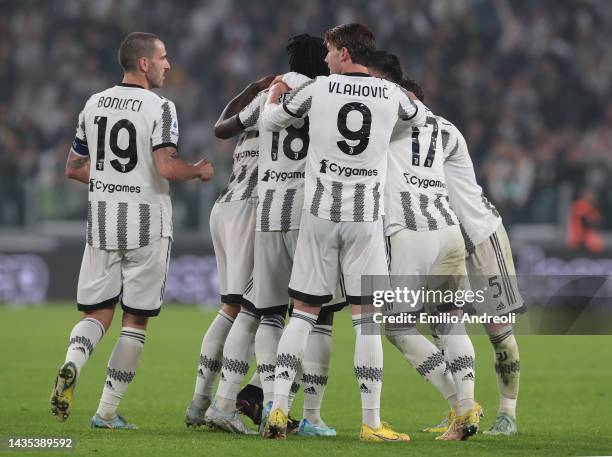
{"x":416,"y":195}
{"x":282,"y":164}
{"x":351,"y":117}
{"x":243,"y":180}
{"x":479,"y":218}
{"x":129,"y":203}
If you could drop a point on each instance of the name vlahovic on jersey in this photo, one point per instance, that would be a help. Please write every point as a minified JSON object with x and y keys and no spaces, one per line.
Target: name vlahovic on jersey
{"x":242,"y":182}
{"x":353,"y":115}
{"x":129,"y":203}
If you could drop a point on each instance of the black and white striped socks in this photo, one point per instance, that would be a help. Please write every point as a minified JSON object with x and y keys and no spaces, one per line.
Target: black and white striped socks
{"x":121,"y":369}
{"x":84,"y":337}
{"x":211,"y":354}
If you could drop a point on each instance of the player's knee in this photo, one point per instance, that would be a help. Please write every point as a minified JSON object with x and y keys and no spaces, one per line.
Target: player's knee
{"x":231,"y":309}
{"x":502,"y":338}
{"x":104,"y":316}
{"x":132,"y":320}
{"x":494,"y":329}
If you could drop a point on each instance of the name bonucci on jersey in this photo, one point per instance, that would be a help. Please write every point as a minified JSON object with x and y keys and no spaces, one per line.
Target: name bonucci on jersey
{"x":478,"y":217}
{"x":416,"y":194}
{"x":243,"y":180}
{"x":281,"y":166}
{"x":129,"y":203}
{"x":353,"y":116}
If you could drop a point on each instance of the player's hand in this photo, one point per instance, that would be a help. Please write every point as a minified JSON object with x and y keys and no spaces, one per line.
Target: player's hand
{"x":263,"y":83}
{"x":277,"y":90}
{"x":277,"y":79}
{"x":206,"y":169}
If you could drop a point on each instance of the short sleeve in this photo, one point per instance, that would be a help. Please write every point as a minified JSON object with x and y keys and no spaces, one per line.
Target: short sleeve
{"x":248,"y":117}
{"x":166,"y":129}
{"x":79,"y":144}
{"x":293,"y":79}
{"x":298,"y":101}
{"x":411,"y":113}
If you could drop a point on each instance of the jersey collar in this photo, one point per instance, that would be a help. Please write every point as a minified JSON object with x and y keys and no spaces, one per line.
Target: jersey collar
{"x":357,"y":73}
{"x":130,"y":85}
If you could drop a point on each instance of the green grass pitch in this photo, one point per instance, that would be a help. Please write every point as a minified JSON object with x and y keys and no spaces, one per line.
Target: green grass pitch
{"x":564,"y":407}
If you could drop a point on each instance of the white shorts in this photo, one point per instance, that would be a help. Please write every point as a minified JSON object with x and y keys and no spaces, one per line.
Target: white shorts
{"x":274,"y":255}
{"x":326,"y":250}
{"x":433,"y":260}
{"x":138,"y":276}
{"x":232,"y":227}
{"x":491,"y":269}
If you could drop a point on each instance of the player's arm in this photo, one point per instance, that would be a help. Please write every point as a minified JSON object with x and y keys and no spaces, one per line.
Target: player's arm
{"x":455,"y":148}
{"x":170,"y":166}
{"x":411,"y":112}
{"x":296,"y":104}
{"x":78,"y":163}
{"x":77,"y":167}
{"x":228,"y":124}
{"x":164,"y":140}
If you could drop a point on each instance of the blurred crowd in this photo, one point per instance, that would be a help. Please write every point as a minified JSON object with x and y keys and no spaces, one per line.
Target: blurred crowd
{"x":528,"y":83}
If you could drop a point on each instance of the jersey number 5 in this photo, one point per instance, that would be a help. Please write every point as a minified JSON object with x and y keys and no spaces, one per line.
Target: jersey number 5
{"x":123,"y":153}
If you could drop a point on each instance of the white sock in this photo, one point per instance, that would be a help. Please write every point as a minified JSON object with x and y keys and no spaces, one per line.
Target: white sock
{"x":295,"y":387}
{"x":428,"y":360}
{"x":507,"y":369}
{"x":122,"y":366}
{"x":316,"y":371}
{"x":368,"y":366}
{"x":290,"y":353}
{"x":237,"y":355}
{"x":461,"y":360}
{"x":266,"y":347}
{"x":83,"y":339}
{"x":211,"y":353}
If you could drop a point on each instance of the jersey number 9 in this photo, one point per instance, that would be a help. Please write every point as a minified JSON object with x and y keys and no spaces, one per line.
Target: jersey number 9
{"x":362,"y":135}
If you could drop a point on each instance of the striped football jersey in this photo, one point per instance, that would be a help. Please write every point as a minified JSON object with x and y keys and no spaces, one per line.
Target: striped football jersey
{"x":351,"y":117}
{"x":282,"y":163}
{"x":129,"y":203}
{"x":416,"y":195}
{"x":243,"y":180}
{"x":479,"y":218}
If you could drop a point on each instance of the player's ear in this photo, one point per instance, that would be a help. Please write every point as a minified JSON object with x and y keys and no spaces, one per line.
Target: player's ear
{"x":344,"y":54}
{"x":143,"y":64}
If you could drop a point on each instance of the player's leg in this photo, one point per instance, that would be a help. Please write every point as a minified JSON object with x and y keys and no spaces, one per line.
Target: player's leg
{"x":266,"y":347}
{"x":209,"y":366}
{"x":122,"y":366}
{"x":232,"y":231}
{"x":449,"y":274}
{"x":315,"y":367}
{"x":507,"y":371}
{"x":491,"y":269}
{"x":237,"y":355}
{"x":364,"y":264}
{"x":98,"y":293}
{"x":143,"y":276}
{"x":313,"y":280}
{"x":411,"y":271}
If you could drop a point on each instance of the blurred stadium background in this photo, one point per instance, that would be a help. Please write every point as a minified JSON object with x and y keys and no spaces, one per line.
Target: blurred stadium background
{"x":528,"y":82}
